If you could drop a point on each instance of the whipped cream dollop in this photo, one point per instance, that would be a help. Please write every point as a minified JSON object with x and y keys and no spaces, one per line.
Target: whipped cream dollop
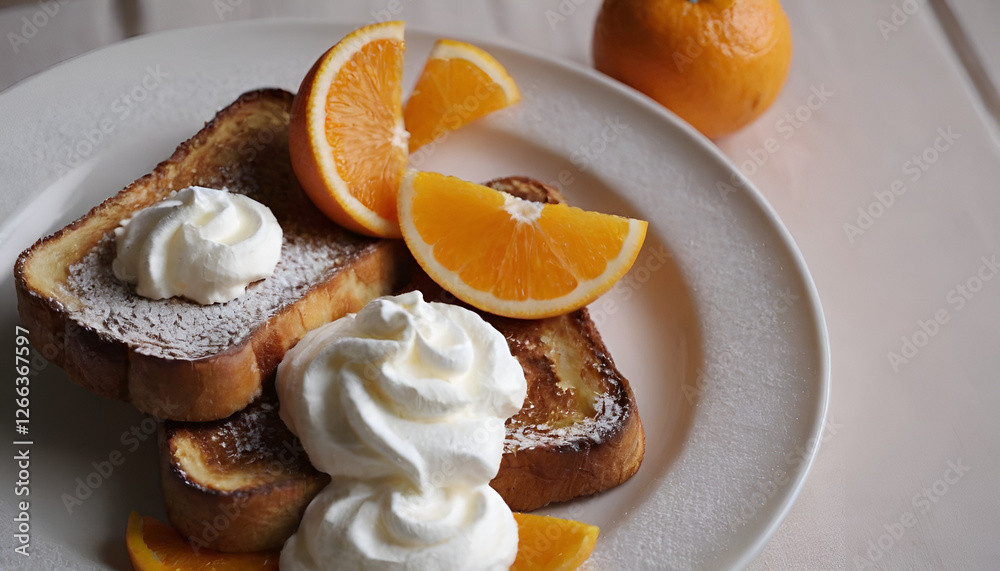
{"x":203,"y":244}
{"x":404,"y":405}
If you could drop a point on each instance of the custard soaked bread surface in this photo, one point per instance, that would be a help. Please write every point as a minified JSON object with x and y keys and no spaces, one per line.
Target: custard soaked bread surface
{"x":578,"y":433}
{"x":174,"y":358}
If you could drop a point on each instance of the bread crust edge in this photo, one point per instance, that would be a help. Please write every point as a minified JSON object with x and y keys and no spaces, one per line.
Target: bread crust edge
{"x":198,"y":389}
{"x":231,"y":521}
{"x":218,"y":385}
{"x":535,"y":477}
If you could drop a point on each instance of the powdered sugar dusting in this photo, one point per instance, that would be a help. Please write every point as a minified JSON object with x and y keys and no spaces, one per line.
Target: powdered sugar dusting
{"x":182,"y":329}
{"x":255,"y":435}
{"x":607,"y":419}
{"x":760,"y":387}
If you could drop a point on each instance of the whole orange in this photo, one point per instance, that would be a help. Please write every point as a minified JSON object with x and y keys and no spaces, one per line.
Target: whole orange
{"x":718,"y":64}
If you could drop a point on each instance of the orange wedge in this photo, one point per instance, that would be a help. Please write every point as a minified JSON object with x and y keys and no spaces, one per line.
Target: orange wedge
{"x":346,"y":139}
{"x":460,"y":83}
{"x":155,"y":546}
{"x":552,"y":544}
{"x":509,"y":256}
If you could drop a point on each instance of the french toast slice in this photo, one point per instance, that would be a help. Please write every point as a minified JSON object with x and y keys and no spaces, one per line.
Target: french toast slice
{"x":174,"y":358}
{"x":577,"y":434}
{"x":579,"y":431}
{"x":237,"y":484}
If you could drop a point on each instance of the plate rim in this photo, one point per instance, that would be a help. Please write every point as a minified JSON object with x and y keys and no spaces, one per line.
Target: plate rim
{"x":816,"y":313}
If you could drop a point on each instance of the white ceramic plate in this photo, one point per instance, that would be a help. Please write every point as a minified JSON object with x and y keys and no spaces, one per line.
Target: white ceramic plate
{"x":718,"y":326}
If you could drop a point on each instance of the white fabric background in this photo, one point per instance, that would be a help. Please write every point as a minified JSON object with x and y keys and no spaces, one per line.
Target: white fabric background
{"x":891,"y":434}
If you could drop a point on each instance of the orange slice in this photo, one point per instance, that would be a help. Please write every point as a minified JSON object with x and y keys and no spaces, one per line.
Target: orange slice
{"x":346,"y":139}
{"x":509,"y":256}
{"x":552,"y":544}
{"x":460,"y":83}
{"x":155,"y":546}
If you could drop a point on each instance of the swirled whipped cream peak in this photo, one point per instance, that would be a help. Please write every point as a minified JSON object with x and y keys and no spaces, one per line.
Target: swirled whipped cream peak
{"x":404,"y":405}
{"x":204,"y":244}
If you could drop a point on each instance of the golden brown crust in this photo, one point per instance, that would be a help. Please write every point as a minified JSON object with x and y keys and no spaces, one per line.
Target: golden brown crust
{"x":243,"y":148}
{"x":217,"y":386}
{"x":567,"y":367}
{"x":551,"y":352}
{"x":235,"y":521}
{"x":580,"y":463}
{"x":528,"y":189}
{"x":238,"y":519}
{"x":237,"y":484}
{"x":529,"y":478}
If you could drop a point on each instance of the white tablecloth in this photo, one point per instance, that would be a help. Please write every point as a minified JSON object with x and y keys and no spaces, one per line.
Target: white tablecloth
{"x":881,"y":157}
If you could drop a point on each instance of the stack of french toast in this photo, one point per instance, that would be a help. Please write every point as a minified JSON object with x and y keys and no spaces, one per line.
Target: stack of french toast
{"x":234,"y":477}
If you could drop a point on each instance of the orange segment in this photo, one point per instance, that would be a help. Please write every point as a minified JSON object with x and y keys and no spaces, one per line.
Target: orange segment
{"x":552,"y":544}
{"x":155,"y":546}
{"x":346,"y":138}
{"x":460,"y":83}
{"x":509,"y":256}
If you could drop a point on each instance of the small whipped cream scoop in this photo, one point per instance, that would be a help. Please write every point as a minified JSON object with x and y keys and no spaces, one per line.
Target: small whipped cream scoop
{"x":203,"y":244}
{"x":404,"y":405}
